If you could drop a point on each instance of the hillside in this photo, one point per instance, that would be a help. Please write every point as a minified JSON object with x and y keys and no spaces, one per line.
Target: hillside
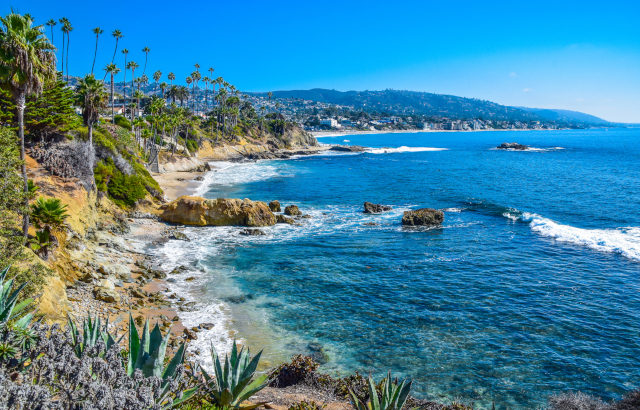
{"x":399,"y":102}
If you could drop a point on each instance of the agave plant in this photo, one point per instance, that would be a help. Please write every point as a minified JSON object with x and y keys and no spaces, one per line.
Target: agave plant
{"x":92,"y":331}
{"x":9,"y":308}
{"x":233,"y":383}
{"x":393,"y":396}
{"x":147,"y":355}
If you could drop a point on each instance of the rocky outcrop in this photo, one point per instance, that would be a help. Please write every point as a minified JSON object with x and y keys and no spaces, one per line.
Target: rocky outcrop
{"x":370,"y":208}
{"x":252,"y":232}
{"x":347,"y":148}
{"x":281,"y":219}
{"x":275,"y":206}
{"x":423,"y":217}
{"x":292,"y":210}
{"x":512,"y":145}
{"x":192,"y":210}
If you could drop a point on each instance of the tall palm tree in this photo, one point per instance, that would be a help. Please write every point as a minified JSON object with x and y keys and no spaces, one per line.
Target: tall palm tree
{"x":189,"y":80}
{"x":124,"y":84}
{"x":132,"y":66}
{"x":205,"y":79}
{"x":117,"y":34}
{"x":156,"y":77}
{"x":27,"y":61}
{"x":171,"y":77}
{"x":63,"y":27}
{"x":146,"y":56}
{"x":97,"y":31}
{"x":67,"y":29}
{"x":92,"y":97}
{"x":113,"y":70}
{"x":51,"y":23}
{"x":163,"y":86}
{"x":196,"y":77}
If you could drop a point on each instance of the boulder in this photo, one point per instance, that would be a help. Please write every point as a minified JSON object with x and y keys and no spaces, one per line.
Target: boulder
{"x":370,"y":208}
{"x":275,"y":206}
{"x":281,"y":219}
{"x":106,"y":292}
{"x":423,"y":217}
{"x":347,"y":148}
{"x":193,"y":210}
{"x":252,"y":232}
{"x":513,"y":145}
{"x":292,"y":210}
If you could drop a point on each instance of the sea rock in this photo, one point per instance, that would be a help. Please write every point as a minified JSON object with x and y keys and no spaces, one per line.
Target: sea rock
{"x":370,"y":208}
{"x":292,"y":210}
{"x":423,"y":217}
{"x":281,"y":219}
{"x":193,"y":210}
{"x":275,"y":206}
{"x":252,"y":232}
{"x":512,"y":145}
{"x":347,"y":148}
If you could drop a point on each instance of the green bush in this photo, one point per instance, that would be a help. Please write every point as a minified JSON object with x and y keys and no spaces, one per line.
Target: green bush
{"x":192,"y":146}
{"x":123,"y":122}
{"x":123,"y":189}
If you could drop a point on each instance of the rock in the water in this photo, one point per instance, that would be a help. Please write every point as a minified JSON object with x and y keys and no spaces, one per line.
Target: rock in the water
{"x":275,"y":206}
{"x":193,"y":210}
{"x":347,"y":148}
{"x":423,"y":217}
{"x":370,"y":208}
{"x":292,"y":210}
{"x":513,"y":145}
{"x":281,"y":219}
{"x":252,"y":232}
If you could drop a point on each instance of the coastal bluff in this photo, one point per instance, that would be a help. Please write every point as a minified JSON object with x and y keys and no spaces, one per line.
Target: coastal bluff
{"x":193,"y":210}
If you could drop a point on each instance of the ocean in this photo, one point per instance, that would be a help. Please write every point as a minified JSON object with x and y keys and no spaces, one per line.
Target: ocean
{"x":531,"y":287}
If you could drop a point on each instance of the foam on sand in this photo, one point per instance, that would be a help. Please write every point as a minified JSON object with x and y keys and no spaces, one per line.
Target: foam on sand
{"x":623,"y":241}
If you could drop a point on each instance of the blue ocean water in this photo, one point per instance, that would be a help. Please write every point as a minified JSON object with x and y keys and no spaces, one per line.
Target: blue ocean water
{"x":531,"y":287}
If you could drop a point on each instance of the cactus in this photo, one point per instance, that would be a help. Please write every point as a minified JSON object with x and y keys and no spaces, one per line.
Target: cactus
{"x":233,"y":383}
{"x":393,"y":396}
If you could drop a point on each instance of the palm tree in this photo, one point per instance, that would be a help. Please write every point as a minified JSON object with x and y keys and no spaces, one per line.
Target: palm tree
{"x":156,"y":77}
{"x":163,"y":86}
{"x":97,"y":31}
{"x":124,"y":84}
{"x":48,"y":214}
{"x":146,"y":55}
{"x":117,"y":34}
{"x":27,"y":61}
{"x":189,"y":80}
{"x":67,"y":29}
{"x":92,"y":97}
{"x":63,"y":27}
{"x":113,"y":70}
{"x":51,"y":23}
{"x":132,"y":66}
{"x":171,"y":77}
{"x":206,"y":88}
{"x":196,"y":77}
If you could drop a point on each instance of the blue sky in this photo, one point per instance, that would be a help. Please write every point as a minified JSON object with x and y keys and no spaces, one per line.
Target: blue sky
{"x":580,"y":55}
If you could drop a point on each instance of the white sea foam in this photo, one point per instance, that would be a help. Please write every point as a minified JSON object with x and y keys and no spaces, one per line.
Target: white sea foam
{"x":623,"y":241}
{"x":455,"y":210}
{"x":529,"y":149}
{"x":234,"y":173}
{"x":402,"y":149}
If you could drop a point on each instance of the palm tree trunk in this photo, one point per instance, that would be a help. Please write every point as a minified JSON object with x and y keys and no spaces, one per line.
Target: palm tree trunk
{"x":67,"y":58}
{"x":95,"y":53}
{"x":21,"y":103}
{"x":62,"y":59}
{"x":113,"y":114}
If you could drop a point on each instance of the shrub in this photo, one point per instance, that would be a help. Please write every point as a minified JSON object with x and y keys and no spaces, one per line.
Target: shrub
{"x":392,"y":395}
{"x":123,"y":189}
{"x":122,"y":122}
{"x":307,"y":405}
{"x":300,"y":369}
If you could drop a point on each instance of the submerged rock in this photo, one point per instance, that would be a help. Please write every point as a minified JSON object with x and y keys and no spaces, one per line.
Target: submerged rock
{"x":193,"y":210}
{"x":252,"y":232}
{"x":370,"y":208}
{"x":292,"y":210}
{"x":281,"y":219}
{"x":347,"y":148}
{"x":423,"y":217}
{"x":512,"y":145}
{"x":275,"y":206}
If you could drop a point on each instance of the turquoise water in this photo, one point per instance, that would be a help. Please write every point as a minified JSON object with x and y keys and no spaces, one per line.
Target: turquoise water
{"x":531,"y":287}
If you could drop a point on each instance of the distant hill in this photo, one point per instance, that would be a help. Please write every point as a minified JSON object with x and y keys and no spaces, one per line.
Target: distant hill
{"x":436,"y":105}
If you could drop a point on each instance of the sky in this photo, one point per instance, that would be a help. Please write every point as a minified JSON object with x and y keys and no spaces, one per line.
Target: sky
{"x":577,"y":55}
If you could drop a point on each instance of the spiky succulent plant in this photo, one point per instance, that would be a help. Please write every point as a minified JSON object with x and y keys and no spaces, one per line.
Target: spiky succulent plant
{"x":392,"y":397}
{"x":92,"y":332}
{"x":234,"y":383}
